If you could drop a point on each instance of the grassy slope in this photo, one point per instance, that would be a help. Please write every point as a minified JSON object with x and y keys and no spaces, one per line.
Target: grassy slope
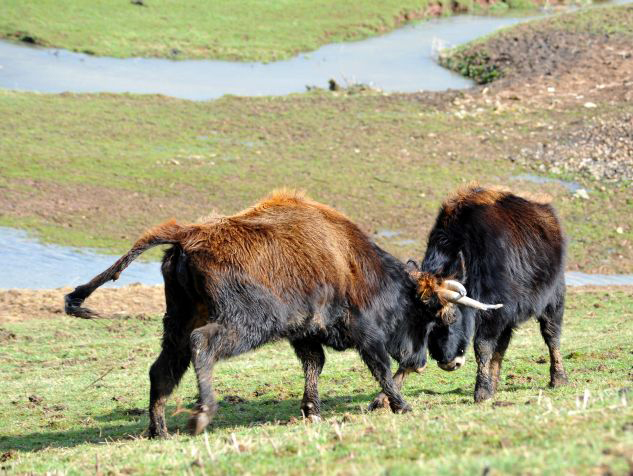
{"x":538,"y":430}
{"x":246,"y":30}
{"x":97,"y":169}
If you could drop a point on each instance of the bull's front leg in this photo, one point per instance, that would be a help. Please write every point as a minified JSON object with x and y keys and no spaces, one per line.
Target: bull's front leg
{"x":377,"y":359}
{"x":381,"y":400}
{"x":484,"y":385}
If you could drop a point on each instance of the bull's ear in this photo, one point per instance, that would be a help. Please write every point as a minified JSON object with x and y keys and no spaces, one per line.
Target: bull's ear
{"x":412,"y":266}
{"x":431,"y":290}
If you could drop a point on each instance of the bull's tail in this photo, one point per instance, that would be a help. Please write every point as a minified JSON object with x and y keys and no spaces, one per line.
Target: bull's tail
{"x":169,"y":232}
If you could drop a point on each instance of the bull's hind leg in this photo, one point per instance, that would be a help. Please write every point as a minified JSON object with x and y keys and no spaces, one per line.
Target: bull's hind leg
{"x":175,"y":356}
{"x":551,"y":322}
{"x":206,"y":349}
{"x":165,"y":374}
{"x":211,"y":343}
{"x":312,"y":357}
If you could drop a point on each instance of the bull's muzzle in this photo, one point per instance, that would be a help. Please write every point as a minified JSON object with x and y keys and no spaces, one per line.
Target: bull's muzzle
{"x":454,"y":364}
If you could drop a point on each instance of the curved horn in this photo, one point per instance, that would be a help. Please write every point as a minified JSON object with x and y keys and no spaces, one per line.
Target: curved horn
{"x":457,"y":298}
{"x":455,"y":286}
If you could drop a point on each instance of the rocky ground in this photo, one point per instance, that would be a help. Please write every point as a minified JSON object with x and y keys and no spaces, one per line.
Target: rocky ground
{"x":565,"y":61}
{"x":601,"y":150}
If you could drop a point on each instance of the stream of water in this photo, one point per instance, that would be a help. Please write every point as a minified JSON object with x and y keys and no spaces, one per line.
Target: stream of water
{"x":29,"y":264}
{"x":403,"y":60}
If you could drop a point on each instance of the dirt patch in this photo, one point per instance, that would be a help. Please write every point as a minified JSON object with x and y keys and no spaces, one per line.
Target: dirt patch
{"x":526,"y":52}
{"x":83,"y":206}
{"x":135,"y":301}
{"x":544,"y":62}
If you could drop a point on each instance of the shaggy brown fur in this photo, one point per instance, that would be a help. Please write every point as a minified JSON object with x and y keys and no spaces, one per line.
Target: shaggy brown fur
{"x":287,"y":242}
{"x":287,"y":267}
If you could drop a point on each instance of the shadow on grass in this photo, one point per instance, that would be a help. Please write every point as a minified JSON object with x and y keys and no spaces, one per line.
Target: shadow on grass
{"x":244,"y":414}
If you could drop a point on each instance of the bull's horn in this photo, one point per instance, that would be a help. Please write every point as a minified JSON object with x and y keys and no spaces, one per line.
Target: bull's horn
{"x":455,"y":286}
{"x":457,"y":298}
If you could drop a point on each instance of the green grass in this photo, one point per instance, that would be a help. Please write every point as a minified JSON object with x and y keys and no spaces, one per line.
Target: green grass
{"x":247,"y":30}
{"x":96,"y":170}
{"x":83,"y":421}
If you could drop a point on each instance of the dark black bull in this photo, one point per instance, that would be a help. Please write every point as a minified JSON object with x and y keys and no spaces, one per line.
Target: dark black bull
{"x":503,"y":248}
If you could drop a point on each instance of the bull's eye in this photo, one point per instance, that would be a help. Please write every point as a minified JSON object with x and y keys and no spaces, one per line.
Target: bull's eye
{"x":461,"y":351}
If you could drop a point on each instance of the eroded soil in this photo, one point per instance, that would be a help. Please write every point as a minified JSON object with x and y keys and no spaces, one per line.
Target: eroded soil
{"x":129,"y":302}
{"x":552,"y":63}
{"x":134,"y":301}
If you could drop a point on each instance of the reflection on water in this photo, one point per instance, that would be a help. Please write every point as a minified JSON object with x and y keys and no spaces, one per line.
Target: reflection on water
{"x":403,"y":60}
{"x":29,"y":264}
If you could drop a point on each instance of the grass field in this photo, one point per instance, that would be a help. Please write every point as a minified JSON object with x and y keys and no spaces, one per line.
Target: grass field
{"x":74,"y":396}
{"x":247,"y":30}
{"x":95,"y":170}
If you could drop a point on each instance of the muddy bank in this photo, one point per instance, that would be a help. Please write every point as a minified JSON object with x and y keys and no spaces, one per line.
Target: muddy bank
{"x":130,"y":302}
{"x":136,"y":300}
{"x":548,"y":47}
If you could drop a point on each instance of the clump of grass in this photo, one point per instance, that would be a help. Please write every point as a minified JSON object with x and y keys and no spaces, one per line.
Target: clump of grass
{"x":476,"y":65}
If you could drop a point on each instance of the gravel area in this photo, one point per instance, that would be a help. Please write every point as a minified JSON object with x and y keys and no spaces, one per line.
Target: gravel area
{"x":602,"y":151}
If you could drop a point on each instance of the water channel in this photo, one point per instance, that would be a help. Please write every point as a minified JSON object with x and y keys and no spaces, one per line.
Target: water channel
{"x":29,"y":264}
{"x":403,"y":61}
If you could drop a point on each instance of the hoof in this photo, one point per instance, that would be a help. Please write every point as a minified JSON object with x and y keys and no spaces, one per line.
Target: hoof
{"x":482,"y":395}
{"x":310,"y":411}
{"x":406,"y":408}
{"x":158,"y":434}
{"x":198,"y":422}
{"x":380,"y":401}
{"x":558,"y":381}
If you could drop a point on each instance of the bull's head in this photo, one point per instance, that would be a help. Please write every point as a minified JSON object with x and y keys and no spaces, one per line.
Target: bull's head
{"x":453,"y":310}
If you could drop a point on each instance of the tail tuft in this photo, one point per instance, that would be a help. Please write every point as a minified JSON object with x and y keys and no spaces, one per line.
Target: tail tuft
{"x":167,"y":233}
{"x":72,"y":306}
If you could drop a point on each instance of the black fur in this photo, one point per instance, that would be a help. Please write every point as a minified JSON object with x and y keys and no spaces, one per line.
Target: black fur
{"x":243,"y":314}
{"x":511,"y":252}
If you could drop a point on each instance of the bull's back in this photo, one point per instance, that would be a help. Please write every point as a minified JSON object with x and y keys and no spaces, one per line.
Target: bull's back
{"x":291,"y":245}
{"x":510,"y":244}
